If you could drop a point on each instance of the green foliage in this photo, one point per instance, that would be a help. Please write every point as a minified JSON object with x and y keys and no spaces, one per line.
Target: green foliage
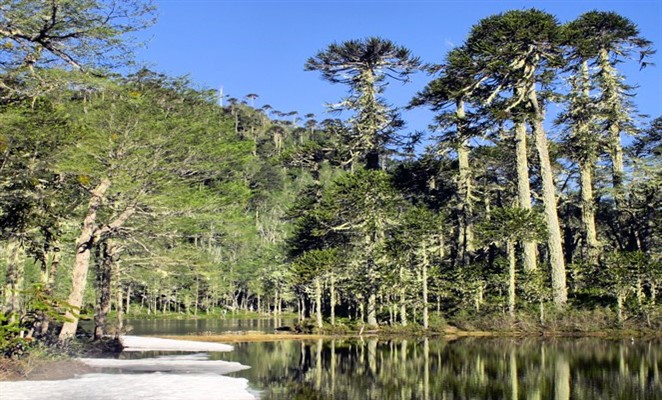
{"x":12,"y":344}
{"x":314,"y":263}
{"x":597,"y":30}
{"x":364,"y":65}
{"x":38,"y":36}
{"x":511,"y":225}
{"x":18,"y":329}
{"x":224,"y":208}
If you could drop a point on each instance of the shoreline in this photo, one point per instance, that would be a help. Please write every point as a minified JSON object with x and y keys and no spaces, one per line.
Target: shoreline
{"x":49,"y":369}
{"x":448,"y":334}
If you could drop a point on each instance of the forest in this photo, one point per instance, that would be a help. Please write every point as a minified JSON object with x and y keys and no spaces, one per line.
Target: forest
{"x":531,"y":204}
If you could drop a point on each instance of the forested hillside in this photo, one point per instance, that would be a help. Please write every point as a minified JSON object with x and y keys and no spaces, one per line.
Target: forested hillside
{"x":138,"y":193}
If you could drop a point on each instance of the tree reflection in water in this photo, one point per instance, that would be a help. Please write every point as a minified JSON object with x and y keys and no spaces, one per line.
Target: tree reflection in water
{"x":470,"y":368}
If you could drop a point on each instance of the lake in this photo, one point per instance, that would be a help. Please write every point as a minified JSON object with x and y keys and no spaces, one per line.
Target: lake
{"x":193,"y":326}
{"x":370,"y":368}
{"x":436,"y":368}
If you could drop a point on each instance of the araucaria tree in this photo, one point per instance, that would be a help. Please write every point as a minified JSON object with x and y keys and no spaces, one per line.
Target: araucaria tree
{"x":365,"y":66}
{"x":606,"y":38}
{"x":517,"y":53}
{"x":178,"y":205}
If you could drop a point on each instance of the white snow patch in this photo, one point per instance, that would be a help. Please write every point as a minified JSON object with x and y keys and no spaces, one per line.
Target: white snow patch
{"x":132,"y":386}
{"x":176,"y":377}
{"x":194,"y":363}
{"x":139,"y":343}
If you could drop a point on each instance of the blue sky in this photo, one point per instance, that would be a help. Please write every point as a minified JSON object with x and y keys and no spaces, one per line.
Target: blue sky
{"x":261,"y":46}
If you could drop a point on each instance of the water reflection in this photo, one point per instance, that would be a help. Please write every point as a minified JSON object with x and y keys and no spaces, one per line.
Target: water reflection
{"x":197,"y":326}
{"x":560,"y":369}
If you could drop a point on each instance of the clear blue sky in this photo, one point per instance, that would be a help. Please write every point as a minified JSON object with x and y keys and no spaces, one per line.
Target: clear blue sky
{"x":261,"y":46}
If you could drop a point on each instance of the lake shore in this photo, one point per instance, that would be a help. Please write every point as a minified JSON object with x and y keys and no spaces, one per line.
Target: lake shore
{"x":44,"y":368}
{"x":449,"y":333}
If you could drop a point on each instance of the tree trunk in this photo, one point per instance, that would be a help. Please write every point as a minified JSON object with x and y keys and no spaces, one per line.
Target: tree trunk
{"x":588,"y":213}
{"x":554,"y":242}
{"x":620,"y":299}
{"x":127,"y":305}
{"x":464,"y":186}
{"x":103,"y":265}
{"x":524,"y":190}
{"x":82,"y":261}
{"x":50,"y":283}
{"x":318,"y":301}
{"x":54,"y":267}
{"x":510,"y":248}
{"x":424,"y":278}
{"x":372,"y":308}
{"x":403,"y":306}
{"x":333,"y":300}
{"x":610,"y":89}
{"x":14,"y":278}
{"x":653,"y":287}
{"x":368,"y":124}
{"x":120,"y":310}
{"x":197,"y":296}
{"x":586,"y":162}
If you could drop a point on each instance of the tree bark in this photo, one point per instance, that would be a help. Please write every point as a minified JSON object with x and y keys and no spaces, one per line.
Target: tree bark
{"x":609,"y":82}
{"x":119,"y":297}
{"x":104,"y":264}
{"x":50,"y":282}
{"x":14,"y":277}
{"x":510,"y":248}
{"x":554,"y":242}
{"x":403,"y":307}
{"x":318,"y":301}
{"x":588,"y":212}
{"x":524,"y":190}
{"x":464,"y":186}
{"x":82,"y":261}
{"x":586,"y":166}
{"x":424,"y":277}
{"x":372,"y":309}
{"x":333,"y":300}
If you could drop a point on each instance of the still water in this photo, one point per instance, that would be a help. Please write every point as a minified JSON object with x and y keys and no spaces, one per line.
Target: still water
{"x":436,"y":368}
{"x":203,"y":326}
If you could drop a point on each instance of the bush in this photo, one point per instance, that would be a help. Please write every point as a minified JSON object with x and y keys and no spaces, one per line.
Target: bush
{"x":12,"y":342}
{"x":17,"y":330}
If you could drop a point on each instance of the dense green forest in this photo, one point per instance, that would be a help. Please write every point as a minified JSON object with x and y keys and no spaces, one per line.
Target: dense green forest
{"x":130,"y":191}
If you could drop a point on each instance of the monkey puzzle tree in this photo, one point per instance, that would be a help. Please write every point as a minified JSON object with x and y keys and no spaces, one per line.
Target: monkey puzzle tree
{"x":599,"y":39}
{"x":365,"y":65}
{"x":359,"y":209}
{"x":511,"y":225}
{"x":454,"y":89}
{"x":518,"y":51}
{"x":605,"y":38}
{"x":411,"y":246}
{"x":582,"y":136}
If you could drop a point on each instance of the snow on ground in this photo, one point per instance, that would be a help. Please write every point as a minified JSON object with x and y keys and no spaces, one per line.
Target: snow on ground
{"x":177,"y":377}
{"x":194,"y":363}
{"x":140,"y":343}
{"x":157,"y":386}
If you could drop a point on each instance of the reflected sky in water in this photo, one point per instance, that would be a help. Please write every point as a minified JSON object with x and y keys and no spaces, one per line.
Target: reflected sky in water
{"x":472,"y":368}
{"x":436,"y":368}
